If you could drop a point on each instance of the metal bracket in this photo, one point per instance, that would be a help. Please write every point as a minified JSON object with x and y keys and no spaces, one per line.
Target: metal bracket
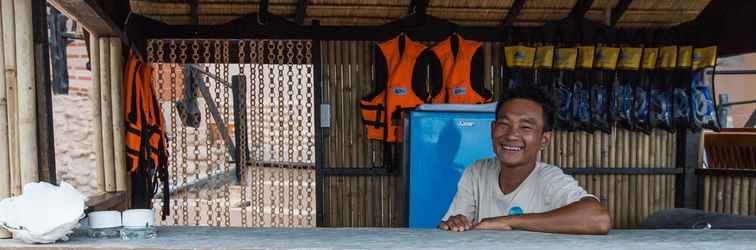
{"x":230,"y":145}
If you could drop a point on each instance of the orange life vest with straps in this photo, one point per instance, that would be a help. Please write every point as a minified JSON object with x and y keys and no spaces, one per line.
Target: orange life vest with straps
{"x":381,"y":110}
{"x":146,"y":149}
{"x":456,"y":84}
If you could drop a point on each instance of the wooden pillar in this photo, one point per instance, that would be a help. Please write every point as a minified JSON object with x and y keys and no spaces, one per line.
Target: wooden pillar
{"x":27,"y":115}
{"x":94,"y":95}
{"x":44,"y":114}
{"x":116,"y":94}
{"x":688,"y":157}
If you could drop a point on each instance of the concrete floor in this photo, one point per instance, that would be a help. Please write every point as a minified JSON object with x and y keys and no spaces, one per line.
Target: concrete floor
{"x":402,"y":238}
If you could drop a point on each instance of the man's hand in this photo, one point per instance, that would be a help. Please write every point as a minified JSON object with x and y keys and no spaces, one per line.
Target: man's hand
{"x":495,"y":223}
{"x":457,"y":223}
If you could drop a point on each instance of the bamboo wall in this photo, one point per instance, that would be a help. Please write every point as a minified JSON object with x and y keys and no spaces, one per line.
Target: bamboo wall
{"x":730,"y":194}
{"x":379,"y":201}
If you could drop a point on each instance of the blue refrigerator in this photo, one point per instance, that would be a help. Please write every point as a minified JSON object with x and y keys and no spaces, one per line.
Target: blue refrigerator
{"x":439,"y":144}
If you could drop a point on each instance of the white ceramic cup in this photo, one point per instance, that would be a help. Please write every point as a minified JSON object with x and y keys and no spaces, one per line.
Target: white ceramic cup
{"x":104,"y":219}
{"x":138,"y":218}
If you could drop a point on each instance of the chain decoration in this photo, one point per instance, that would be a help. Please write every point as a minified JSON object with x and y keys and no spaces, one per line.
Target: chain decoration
{"x":173,"y":142}
{"x":276,"y":124}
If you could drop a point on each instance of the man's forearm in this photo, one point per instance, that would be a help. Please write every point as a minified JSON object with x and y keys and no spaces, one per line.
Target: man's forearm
{"x":582,"y":217}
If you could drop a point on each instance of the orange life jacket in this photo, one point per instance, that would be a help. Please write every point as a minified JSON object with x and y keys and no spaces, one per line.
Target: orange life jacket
{"x":456,"y":86}
{"x":381,"y":110}
{"x":146,"y":149}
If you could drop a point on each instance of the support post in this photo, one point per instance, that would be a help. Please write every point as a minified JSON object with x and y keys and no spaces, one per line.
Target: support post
{"x":94,"y":95}
{"x":11,"y":84}
{"x":45,"y":129}
{"x":106,"y":115}
{"x":116,"y":96}
{"x":5,"y":168}
{"x":27,"y":101}
{"x":317,"y":78}
{"x":688,"y":157}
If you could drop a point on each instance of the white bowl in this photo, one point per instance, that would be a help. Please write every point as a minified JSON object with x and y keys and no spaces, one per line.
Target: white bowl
{"x":138,"y":218}
{"x":104,"y":219}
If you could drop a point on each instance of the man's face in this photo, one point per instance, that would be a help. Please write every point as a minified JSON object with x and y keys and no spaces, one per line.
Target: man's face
{"x":518,"y":133}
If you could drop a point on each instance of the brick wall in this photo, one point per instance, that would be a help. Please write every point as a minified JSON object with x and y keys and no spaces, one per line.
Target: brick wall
{"x":79,"y":77}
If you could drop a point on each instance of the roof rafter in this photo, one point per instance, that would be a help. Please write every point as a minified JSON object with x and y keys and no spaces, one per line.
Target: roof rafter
{"x":618,"y":11}
{"x":580,"y":8}
{"x":301,"y":12}
{"x":513,"y":12}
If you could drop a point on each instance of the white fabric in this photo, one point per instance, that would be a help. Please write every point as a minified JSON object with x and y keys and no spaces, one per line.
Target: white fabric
{"x":44,"y":213}
{"x":545,"y":189}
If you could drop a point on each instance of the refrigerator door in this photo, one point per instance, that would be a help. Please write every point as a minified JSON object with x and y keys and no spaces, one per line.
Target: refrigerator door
{"x":441,"y":145}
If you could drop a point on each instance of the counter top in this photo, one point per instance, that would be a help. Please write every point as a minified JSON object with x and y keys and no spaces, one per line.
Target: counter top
{"x":404,"y":238}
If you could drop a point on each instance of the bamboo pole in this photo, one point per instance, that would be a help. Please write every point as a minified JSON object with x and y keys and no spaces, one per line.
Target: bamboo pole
{"x":27,"y":101}
{"x":11,"y":81}
{"x":106,"y":115}
{"x":752,"y":195}
{"x":737,"y":181}
{"x":5,"y":168}
{"x":94,"y":95}
{"x":558,"y":149}
{"x":632,"y":187}
{"x":625,"y":199}
{"x":339,"y":102}
{"x":583,"y":147}
{"x":116,"y":93}
{"x":612,"y":179}
{"x":707,"y":193}
{"x":572,"y":142}
{"x":354,"y":110}
{"x":718,"y":187}
{"x":5,"y":184}
{"x":621,"y":181}
{"x":596,"y":149}
{"x":327,"y":90}
{"x":744,"y":195}
{"x":728,"y":191}
{"x":364,"y":56}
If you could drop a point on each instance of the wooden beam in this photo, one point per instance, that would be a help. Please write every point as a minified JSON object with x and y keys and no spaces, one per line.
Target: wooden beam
{"x":90,"y":14}
{"x":618,"y":11}
{"x":580,"y":8}
{"x":301,"y":12}
{"x":45,"y":131}
{"x":107,"y":201}
{"x":513,"y":12}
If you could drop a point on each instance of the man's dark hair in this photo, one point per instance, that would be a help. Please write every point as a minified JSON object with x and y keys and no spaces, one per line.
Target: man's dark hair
{"x":535,"y":94}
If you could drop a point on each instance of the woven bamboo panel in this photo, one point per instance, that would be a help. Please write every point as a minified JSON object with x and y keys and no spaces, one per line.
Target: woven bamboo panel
{"x":363,"y":201}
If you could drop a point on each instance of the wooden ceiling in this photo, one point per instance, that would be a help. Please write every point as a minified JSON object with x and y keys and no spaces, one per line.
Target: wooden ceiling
{"x":639,"y":13}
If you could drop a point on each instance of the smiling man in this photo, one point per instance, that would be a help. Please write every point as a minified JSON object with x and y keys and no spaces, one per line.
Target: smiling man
{"x":513,"y":190}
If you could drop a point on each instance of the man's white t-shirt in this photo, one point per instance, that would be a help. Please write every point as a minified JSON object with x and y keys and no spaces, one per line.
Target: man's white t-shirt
{"x":545,"y":189}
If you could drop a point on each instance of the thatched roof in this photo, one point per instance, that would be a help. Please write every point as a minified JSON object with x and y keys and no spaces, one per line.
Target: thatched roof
{"x":640,"y":13}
